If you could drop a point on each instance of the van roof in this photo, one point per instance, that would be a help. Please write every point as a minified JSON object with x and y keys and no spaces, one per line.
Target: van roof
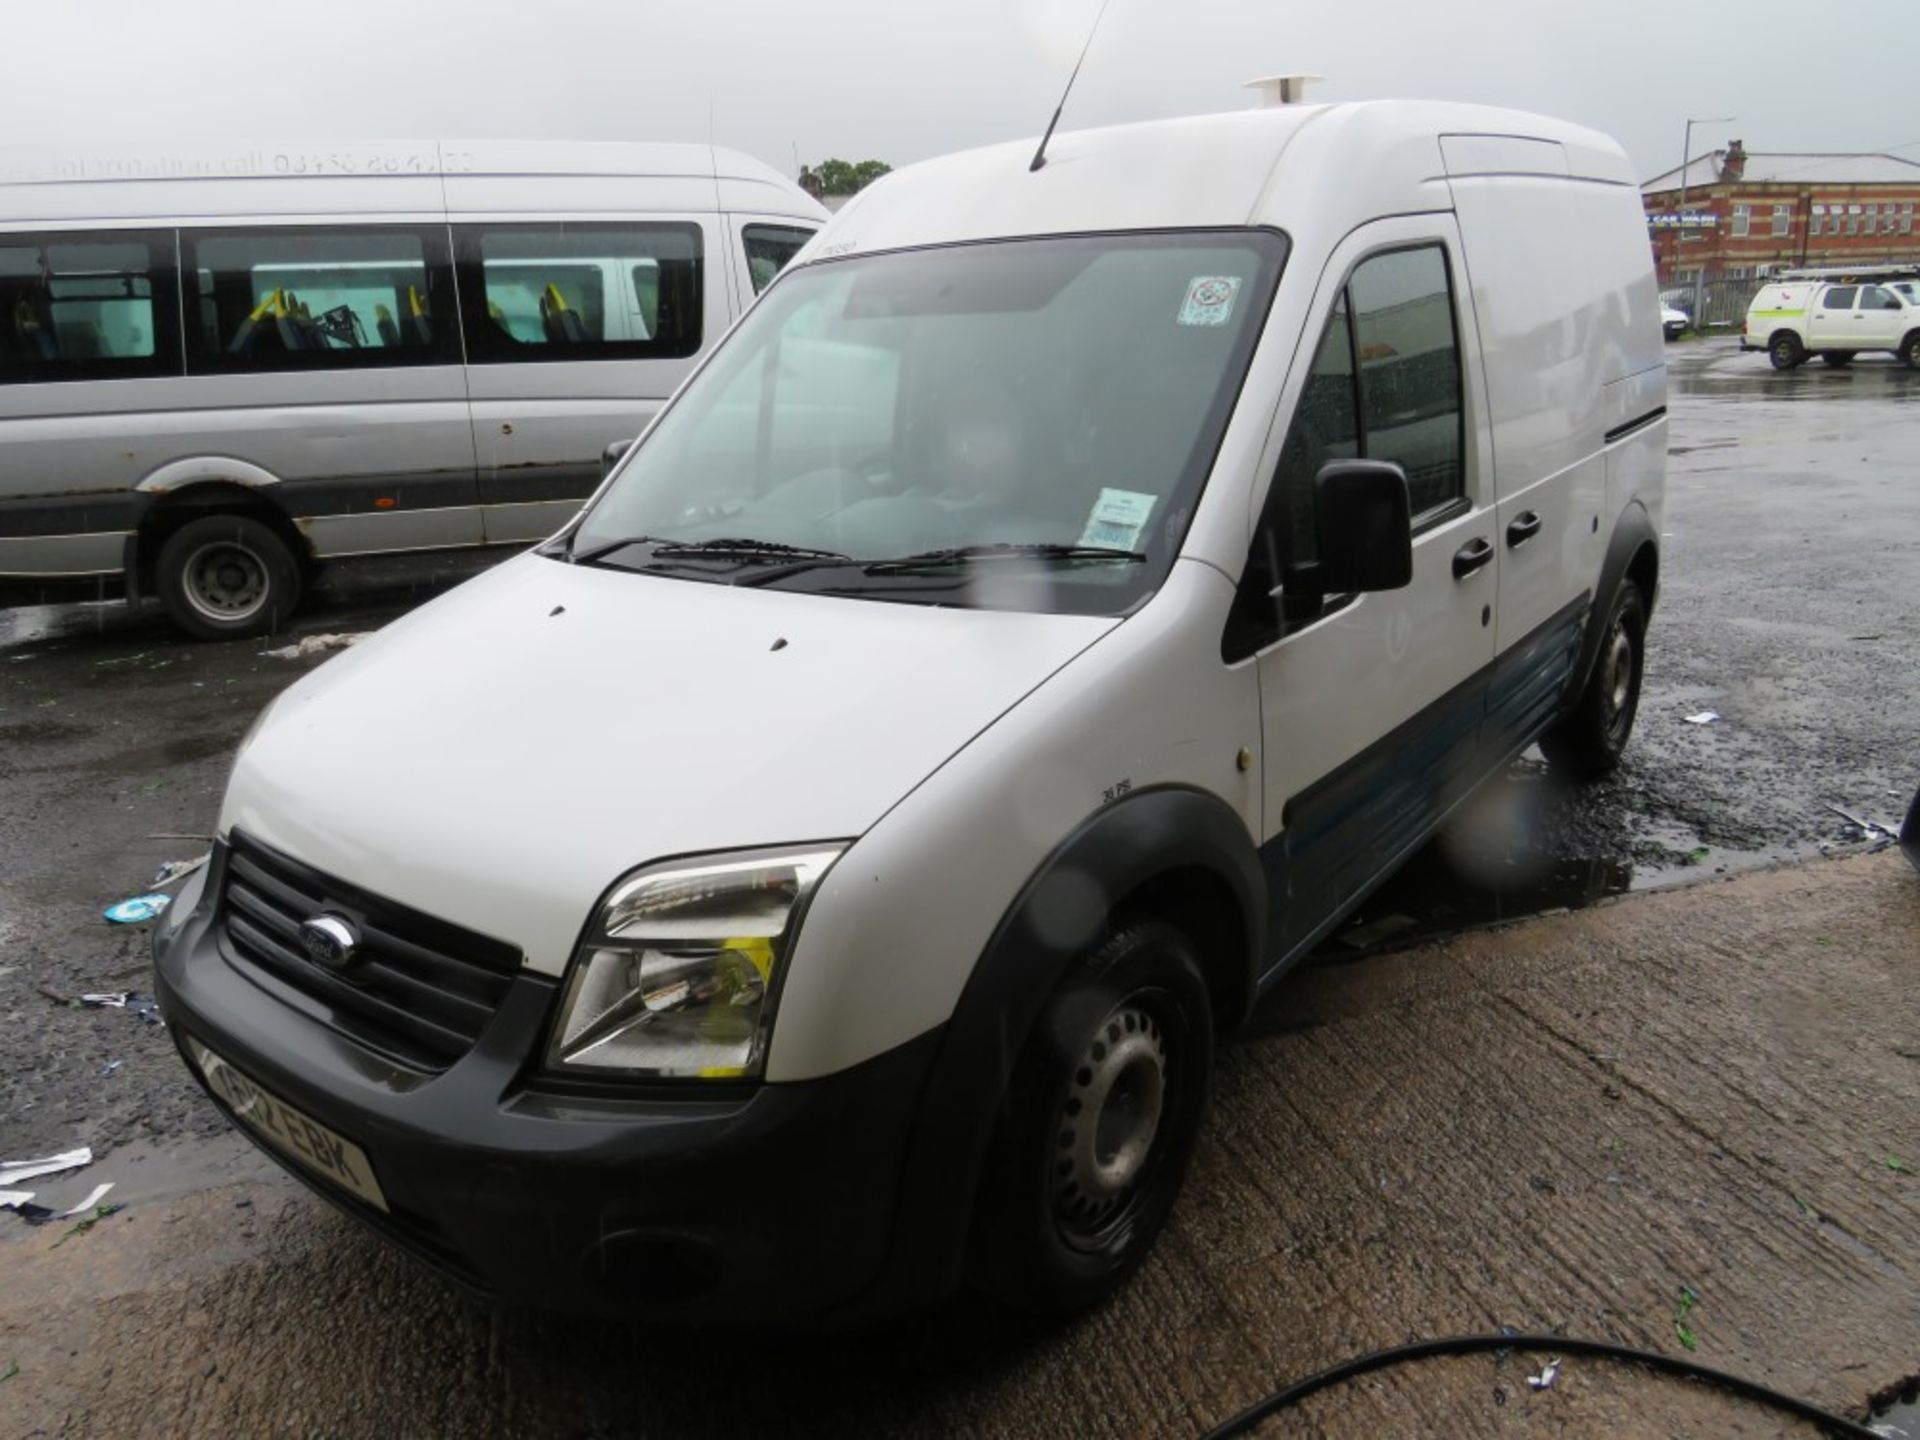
{"x":55,"y":183}
{"x":1321,"y":168}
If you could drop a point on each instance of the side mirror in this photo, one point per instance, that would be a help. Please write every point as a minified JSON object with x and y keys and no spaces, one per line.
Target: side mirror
{"x":1362,"y":530}
{"x":610,"y":456}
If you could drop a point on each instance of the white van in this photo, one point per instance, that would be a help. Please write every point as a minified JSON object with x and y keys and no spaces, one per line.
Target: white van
{"x":1837,"y":318}
{"x":219,"y":368}
{"x":817,"y":877}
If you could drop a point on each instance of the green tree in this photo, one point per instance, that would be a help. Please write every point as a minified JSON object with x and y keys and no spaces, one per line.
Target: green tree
{"x":843,"y":177}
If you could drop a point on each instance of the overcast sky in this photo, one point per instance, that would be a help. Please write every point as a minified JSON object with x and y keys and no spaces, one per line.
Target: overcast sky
{"x":906,"y":79}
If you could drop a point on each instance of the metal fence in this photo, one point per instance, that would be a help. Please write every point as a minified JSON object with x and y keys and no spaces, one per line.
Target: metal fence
{"x":1712,"y":303}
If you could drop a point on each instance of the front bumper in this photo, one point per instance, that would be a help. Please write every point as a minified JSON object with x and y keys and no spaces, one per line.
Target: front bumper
{"x":739,"y":1203}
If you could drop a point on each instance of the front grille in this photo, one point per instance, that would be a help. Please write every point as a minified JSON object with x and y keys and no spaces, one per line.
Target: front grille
{"x":422,"y":990}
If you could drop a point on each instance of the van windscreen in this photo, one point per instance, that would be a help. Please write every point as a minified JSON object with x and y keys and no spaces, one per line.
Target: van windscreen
{"x":971,"y":424}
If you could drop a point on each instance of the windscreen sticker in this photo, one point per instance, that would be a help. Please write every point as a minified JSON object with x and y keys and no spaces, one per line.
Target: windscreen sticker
{"x":1117,"y":519}
{"x":1209,"y":300}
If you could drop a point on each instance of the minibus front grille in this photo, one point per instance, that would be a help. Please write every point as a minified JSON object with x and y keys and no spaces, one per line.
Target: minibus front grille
{"x":419,"y":990}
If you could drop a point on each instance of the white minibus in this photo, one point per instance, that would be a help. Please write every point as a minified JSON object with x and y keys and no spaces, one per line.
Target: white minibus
{"x":219,"y":368}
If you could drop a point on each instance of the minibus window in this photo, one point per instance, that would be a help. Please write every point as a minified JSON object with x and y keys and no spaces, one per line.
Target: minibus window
{"x":580,"y":291}
{"x":1048,"y":408}
{"x":769,"y":248}
{"x":310,"y":298}
{"x":86,"y":306}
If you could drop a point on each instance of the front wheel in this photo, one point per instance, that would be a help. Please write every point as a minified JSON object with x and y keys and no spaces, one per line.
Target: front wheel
{"x":224,"y":576}
{"x":1105,"y":1104}
{"x":1838,"y":359}
{"x":1909,"y":351}
{"x":1587,"y":742}
{"x":1786,"y":351}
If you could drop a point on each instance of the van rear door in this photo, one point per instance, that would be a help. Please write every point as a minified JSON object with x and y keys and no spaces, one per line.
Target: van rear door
{"x":577,"y":332}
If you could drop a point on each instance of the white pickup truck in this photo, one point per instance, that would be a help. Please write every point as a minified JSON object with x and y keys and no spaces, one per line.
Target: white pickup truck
{"x":1794,"y":320}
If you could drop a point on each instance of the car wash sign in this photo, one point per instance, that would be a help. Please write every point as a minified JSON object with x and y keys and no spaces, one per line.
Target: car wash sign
{"x":1681,"y":220}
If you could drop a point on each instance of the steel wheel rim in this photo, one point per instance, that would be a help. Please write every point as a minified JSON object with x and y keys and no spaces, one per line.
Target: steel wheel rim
{"x":1110,"y":1119}
{"x":225,"y":582}
{"x":1618,"y":678}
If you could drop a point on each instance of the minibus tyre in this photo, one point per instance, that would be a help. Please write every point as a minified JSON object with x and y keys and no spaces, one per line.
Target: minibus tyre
{"x":1587,"y":742}
{"x":1839,"y":359}
{"x":223,"y":577}
{"x":1909,"y":351}
{"x":1104,"y":1106}
{"x":1786,"y":351}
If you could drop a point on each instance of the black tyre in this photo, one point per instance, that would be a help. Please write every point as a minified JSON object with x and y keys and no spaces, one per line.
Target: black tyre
{"x":1909,"y":351}
{"x":225,"y":576}
{"x":1786,"y":351}
{"x":1839,"y":359}
{"x":1105,"y":1103}
{"x":1586,"y":743}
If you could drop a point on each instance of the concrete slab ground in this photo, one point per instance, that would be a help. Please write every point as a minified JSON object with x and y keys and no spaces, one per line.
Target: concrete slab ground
{"x":1555,"y":1125}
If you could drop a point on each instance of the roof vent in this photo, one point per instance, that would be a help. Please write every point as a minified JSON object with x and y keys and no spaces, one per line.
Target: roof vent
{"x":1283,"y":89}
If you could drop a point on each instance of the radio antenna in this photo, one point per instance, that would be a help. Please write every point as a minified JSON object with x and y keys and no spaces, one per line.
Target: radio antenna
{"x":1040,"y":155}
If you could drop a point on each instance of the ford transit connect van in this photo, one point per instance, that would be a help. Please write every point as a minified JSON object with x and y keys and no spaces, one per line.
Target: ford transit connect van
{"x":222,"y":368}
{"x":817,"y":877}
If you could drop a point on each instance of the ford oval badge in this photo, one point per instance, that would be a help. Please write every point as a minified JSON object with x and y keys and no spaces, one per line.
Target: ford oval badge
{"x":330,"y":941}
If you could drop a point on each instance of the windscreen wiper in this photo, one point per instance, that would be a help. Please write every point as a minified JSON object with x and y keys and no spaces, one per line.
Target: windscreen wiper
{"x":968,"y":554}
{"x":725,"y":548}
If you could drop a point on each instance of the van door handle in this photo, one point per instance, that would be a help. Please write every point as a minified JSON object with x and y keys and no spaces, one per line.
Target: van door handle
{"x":1471,"y":556}
{"x":1525,"y":526}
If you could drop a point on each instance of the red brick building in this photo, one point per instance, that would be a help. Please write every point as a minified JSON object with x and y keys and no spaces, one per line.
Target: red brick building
{"x":1745,"y":214}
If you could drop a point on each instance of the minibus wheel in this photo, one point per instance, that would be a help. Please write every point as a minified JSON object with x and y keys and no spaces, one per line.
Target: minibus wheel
{"x":225,"y":576}
{"x":1586,"y":744}
{"x":1786,"y":351}
{"x":1105,"y":1103}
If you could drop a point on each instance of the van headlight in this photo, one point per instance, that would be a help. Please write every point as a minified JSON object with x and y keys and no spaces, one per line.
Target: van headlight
{"x":678,"y":973}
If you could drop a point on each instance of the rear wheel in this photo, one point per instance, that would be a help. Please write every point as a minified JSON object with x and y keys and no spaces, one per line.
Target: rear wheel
{"x":225,"y":576}
{"x":1786,"y":351}
{"x":1105,"y":1104}
{"x":1909,"y":351}
{"x":1587,"y":743}
{"x":1839,"y":359}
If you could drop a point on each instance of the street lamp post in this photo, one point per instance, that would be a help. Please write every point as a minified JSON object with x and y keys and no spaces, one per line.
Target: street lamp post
{"x":1686,"y":147}
{"x":1680,"y":210}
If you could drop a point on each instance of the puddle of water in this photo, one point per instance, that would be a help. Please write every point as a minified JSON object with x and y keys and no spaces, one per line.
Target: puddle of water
{"x":1517,"y":849}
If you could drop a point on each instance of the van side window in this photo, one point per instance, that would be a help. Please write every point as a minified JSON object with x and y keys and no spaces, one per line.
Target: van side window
{"x":588,"y":291}
{"x":92,"y":305}
{"x":1410,"y":372}
{"x":1385,"y":385}
{"x":314,"y":298}
{"x":769,"y":248}
{"x":1839,"y":297}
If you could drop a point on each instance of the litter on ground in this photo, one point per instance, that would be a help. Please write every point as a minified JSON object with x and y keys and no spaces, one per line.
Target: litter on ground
{"x":1705,"y":717}
{"x":1547,"y":1376}
{"x":14,"y":1171}
{"x":176,"y":870}
{"x":106,"y":1000}
{"x":136,"y":911}
{"x":316,"y":645}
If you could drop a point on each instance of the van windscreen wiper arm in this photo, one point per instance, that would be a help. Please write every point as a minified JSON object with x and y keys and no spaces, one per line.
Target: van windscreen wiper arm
{"x":725,"y":548}
{"x":967,"y":554}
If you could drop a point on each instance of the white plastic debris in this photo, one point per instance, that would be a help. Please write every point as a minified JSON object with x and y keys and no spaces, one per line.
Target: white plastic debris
{"x":177,"y":870}
{"x":87,"y":1204}
{"x":14,"y":1171}
{"x":1547,"y":1376}
{"x":1705,"y":717}
{"x":316,"y":645}
{"x":11,"y":1198}
{"x":106,"y":1000}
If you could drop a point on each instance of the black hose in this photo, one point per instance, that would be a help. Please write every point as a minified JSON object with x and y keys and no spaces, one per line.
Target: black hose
{"x":1471,"y":1344}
